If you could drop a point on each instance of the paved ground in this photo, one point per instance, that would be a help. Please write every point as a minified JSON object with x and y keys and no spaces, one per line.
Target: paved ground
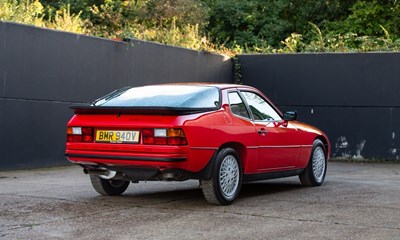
{"x":357,"y":201}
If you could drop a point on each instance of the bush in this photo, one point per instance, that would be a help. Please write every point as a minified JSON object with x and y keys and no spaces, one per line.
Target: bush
{"x":26,"y":12}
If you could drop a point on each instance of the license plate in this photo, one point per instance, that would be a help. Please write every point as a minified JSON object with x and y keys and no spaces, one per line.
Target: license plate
{"x":112,"y":136}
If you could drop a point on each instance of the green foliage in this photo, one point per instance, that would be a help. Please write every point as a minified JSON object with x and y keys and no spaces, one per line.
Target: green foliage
{"x":258,"y":23}
{"x":291,"y":44}
{"x":247,"y":23}
{"x":81,"y":7}
{"x":237,"y":71}
{"x":27,"y":12}
{"x":33,"y":12}
{"x":165,"y":13}
{"x":225,"y":26}
{"x":111,"y":18}
{"x":333,"y":42}
{"x":65,"y":21}
{"x":186,"y":36}
{"x":174,"y":22}
{"x":366,"y":17}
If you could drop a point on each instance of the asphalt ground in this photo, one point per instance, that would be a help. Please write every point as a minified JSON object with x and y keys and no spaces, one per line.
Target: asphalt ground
{"x":357,"y":201}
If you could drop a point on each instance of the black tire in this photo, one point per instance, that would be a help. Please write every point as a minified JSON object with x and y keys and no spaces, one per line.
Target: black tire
{"x":314,"y":174}
{"x":108,"y":187}
{"x":226,"y":178}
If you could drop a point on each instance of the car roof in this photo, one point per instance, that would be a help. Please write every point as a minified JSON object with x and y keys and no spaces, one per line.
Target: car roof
{"x":206,"y":84}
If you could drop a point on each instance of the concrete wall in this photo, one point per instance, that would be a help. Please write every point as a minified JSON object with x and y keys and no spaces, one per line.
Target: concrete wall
{"x":353,"y":97}
{"x":43,"y":72}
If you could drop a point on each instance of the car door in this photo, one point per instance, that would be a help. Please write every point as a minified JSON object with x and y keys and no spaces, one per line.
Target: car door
{"x":278,"y":142}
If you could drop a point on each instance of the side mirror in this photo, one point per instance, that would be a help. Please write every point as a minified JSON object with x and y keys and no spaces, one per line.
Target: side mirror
{"x":290,"y":116}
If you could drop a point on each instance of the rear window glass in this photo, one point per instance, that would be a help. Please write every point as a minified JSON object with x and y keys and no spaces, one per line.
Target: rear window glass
{"x":163,"y":96}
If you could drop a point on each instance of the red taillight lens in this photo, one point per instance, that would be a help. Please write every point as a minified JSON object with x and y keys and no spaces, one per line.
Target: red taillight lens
{"x":160,"y":140}
{"x":87,"y":138}
{"x":161,"y":136}
{"x":148,"y":136}
{"x":86,"y":131}
{"x":74,"y":138}
{"x":177,"y":141}
{"x":79,"y":134}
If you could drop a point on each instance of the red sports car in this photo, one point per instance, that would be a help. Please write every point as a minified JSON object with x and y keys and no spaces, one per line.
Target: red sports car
{"x":220,"y":134}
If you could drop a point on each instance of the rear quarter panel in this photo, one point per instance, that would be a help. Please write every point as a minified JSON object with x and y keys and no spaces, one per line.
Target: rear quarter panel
{"x":213,"y":130}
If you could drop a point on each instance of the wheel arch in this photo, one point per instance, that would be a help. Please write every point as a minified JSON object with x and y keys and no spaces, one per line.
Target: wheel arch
{"x":240,"y":150}
{"x":325,"y":141}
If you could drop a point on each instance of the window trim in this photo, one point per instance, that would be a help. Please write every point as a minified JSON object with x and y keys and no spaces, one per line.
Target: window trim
{"x":250,"y":118}
{"x":267,"y":101}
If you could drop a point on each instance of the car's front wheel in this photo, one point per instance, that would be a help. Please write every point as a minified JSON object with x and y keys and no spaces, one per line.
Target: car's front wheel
{"x":314,"y":174}
{"x":108,"y":187}
{"x":226,"y":180}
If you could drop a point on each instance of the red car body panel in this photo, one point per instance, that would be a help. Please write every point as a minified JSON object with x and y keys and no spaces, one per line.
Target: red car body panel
{"x":285,"y":146}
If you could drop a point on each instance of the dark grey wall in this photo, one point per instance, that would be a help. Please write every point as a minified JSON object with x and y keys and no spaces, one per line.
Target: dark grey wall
{"x":354,"y":98}
{"x":42,"y":72}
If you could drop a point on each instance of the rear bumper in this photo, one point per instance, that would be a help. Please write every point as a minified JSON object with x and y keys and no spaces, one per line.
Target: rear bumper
{"x":183,"y":159}
{"x":107,"y":159}
{"x":72,"y":157}
{"x":148,"y":167}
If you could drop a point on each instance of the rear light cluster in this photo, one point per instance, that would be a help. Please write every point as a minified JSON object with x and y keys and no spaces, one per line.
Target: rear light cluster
{"x":79,"y":134}
{"x":164,"y":136}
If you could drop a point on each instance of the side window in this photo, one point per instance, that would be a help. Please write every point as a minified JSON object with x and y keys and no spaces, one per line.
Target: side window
{"x":260,"y":108}
{"x":237,"y":106}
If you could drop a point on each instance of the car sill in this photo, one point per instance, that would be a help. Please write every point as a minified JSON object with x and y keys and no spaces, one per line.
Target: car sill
{"x":270,"y":175}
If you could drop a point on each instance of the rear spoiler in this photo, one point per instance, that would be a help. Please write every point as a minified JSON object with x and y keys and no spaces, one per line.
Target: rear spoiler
{"x":89,"y":109}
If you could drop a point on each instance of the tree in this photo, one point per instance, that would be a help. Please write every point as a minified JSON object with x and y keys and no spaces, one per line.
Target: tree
{"x":367,"y":18}
{"x":260,"y":22}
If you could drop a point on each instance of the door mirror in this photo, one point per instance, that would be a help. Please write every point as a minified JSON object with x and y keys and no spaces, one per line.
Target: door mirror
{"x":290,"y":116}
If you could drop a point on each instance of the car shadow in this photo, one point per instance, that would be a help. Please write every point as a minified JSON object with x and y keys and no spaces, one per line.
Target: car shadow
{"x":194,"y":194}
{"x":268,"y":187}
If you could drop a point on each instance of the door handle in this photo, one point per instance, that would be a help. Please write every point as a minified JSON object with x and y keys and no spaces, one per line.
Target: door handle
{"x":262,"y":131}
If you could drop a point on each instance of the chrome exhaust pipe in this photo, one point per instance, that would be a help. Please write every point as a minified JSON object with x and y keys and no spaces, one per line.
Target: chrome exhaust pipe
{"x":107,"y":174}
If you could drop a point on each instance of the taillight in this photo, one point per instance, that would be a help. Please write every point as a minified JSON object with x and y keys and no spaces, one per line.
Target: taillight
{"x":79,"y":134}
{"x":148,"y":136}
{"x":164,"y":136}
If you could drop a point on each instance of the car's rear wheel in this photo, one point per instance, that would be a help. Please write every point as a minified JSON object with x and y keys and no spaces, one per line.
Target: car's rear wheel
{"x":108,"y":187}
{"x":314,"y":174}
{"x":226,"y":179}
